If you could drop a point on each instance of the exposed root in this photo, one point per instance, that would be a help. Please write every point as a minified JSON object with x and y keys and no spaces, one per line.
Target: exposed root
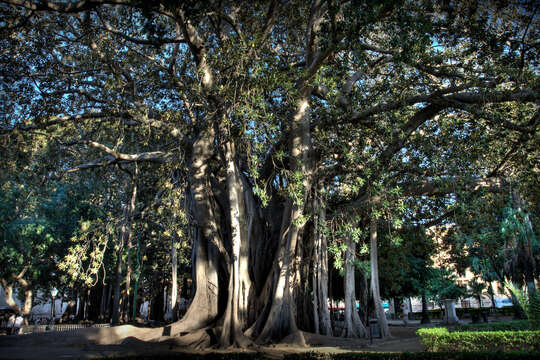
{"x":197,"y":340}
{"x":297,"y":338}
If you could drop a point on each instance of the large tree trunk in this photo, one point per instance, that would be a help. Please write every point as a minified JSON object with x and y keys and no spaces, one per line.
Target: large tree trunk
{"x":204,"y":305}
{"x":379,"y":310}
{"x":353,"y":326}
{"x":234,"y":319}
{"x":281,"y":319}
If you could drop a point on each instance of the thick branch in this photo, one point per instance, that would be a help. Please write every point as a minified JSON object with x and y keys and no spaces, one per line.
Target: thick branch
{"x":64,"y":6}
{"x":431,"y":188}
{"x":53,"y":121}
{"x":154,"y":156}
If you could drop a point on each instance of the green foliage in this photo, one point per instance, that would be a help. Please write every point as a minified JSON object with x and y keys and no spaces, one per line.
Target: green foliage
{"x":497,"y":237}
{"x":37,"y":226}
{"x":516,"y":224}
{"x":442,"y":285}
{"x":529,"y":302}
{"x":85,"y":256}
{"x":440,"y":339}
{"x":413,"y":254}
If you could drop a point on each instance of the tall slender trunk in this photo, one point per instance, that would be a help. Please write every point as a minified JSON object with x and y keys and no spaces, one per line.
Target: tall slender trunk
{"x":379,"y":310}
{"x":103,"y":303}
{"x":315,"y":275}
{"x":109,"y":298}
{"x":127,"y":290}
{"x":124,"y":240}
{"x":425,"y":313}
{"x":129,"y":267}
{"x":117,"y":303}
{"x":173,"y":300}
{"x":353,"y":326}
{"x":321,"y":270}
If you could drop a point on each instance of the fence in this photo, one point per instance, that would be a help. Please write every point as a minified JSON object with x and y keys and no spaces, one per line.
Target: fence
{"x":27,"y":329}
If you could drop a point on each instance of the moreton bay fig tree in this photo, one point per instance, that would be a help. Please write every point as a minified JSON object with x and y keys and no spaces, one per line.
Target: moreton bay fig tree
{"x":279,"y":114}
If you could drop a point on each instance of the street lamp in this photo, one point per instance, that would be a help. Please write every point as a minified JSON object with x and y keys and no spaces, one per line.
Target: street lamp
{"x":54,"y":291}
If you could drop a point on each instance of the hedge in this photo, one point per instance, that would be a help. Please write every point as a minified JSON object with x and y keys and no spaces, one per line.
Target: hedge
{"x":515,"y":325}
{"x":344,"y":356}
{"x":440,"y":339}
{"x":497,"y":355}
{"x":466,"y":312}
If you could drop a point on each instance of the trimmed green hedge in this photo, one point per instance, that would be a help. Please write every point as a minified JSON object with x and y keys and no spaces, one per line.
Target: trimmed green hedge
{"x":415,"y":356}
{"x":515,"y":325}
{"x":440,"y":339}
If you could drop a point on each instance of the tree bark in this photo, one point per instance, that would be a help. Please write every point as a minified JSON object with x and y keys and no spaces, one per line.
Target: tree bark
{"x":379,"y":310}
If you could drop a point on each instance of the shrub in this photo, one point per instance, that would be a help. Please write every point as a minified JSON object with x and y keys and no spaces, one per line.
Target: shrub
{"x":440,"y":339}
{"x":414,"y":356}
{"x":515,"y":325}
{"x":507,"y":310}
{"x":468,"y":312}
{"x":435,"y":314}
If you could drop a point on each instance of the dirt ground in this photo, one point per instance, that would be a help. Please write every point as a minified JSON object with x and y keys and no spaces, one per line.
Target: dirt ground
{"x":57,"y":345}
